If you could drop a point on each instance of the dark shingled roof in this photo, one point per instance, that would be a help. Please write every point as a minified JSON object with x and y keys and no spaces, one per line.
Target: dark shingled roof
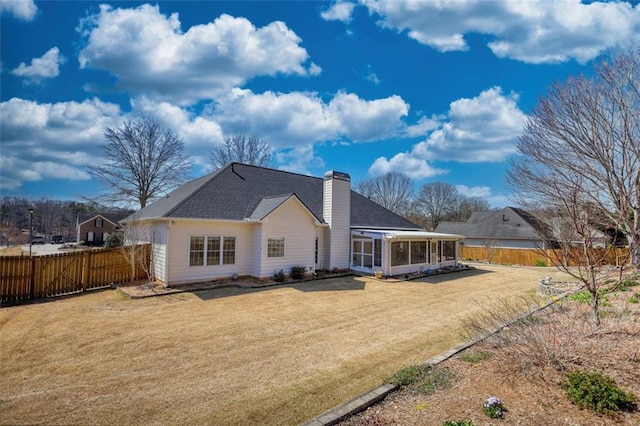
{"x":241,"y":191}
{"x":112,"y":216}
{"x":508,"y":223}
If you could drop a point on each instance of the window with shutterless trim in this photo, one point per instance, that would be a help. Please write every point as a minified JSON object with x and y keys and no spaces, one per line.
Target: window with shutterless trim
{"x":212,"y":251}
{"x":196,"y":251}
{"x":275,"y":247}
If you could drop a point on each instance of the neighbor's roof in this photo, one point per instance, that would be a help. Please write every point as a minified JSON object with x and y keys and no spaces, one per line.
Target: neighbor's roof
{"x":113,"y":217}
{"x":240,"y":191}
{"x":508,"y":223}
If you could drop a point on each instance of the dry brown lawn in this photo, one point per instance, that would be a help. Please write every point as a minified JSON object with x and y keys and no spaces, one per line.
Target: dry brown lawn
{"x":524,"y":366}
{"x":279,"y":355}
{"x":11,"y":251}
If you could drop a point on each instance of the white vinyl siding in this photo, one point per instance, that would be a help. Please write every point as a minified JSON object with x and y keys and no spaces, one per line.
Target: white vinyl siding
{"x":178,"y":255}
{"x":159,"y":251}
{"x":293,"y":222}
{"x":256,"y":250}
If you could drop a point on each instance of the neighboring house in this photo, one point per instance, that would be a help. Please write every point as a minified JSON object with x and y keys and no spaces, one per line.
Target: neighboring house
{"x":507,"y":228}
{"x":95,"y":229}
{"x":255,"y":221}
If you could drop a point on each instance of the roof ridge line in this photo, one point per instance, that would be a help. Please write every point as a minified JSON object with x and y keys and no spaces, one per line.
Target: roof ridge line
{"x":276,"y":170}
{"x":196,"y":190}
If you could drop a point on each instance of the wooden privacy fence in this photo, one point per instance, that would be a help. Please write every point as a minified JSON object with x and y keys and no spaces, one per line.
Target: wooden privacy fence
{"x":23,"y":277}
{"x":530,"y":257}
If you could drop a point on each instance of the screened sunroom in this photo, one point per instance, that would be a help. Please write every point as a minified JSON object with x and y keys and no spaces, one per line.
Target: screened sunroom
{"x":402,"y":252}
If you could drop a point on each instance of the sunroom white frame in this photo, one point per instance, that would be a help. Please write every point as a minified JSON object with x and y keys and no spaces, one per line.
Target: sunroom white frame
{"x":365,"y":241}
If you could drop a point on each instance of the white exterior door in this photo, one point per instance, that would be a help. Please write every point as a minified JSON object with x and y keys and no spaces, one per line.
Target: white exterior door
{"x":362,"y":254}
{"x":434,"y":252}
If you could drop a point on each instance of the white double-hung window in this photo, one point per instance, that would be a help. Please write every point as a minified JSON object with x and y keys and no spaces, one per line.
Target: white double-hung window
{"x":211,"y":251}
{"x":275,"y":247}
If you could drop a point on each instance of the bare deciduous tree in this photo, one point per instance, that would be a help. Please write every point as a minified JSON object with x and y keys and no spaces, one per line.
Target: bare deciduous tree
{"x":582,"y":253}
{"x":391,"y":190}
{"x":465,"y":206}
{"x":436,"y":200}
{"x":584,"y":136}
{"x":134,"y":236}
{"x":241,"y":149}
{"x":144,"y":161}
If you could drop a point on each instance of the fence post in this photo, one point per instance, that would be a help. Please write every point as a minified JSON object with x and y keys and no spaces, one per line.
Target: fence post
{"x":32,"y":278}
{"x":85,"y":270}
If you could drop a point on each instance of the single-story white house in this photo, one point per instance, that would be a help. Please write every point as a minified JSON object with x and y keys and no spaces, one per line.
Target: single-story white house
{"x":253,"y":221}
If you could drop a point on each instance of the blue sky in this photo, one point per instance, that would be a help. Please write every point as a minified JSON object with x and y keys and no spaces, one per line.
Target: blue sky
{"x":437,"y":90}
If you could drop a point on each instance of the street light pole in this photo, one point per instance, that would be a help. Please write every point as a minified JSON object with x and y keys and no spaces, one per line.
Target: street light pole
{"x":30,"y":229}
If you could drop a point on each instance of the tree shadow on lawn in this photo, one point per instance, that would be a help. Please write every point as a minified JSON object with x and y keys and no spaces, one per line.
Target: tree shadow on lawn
{"x":328,"y":284}
{"x":443,"y":278}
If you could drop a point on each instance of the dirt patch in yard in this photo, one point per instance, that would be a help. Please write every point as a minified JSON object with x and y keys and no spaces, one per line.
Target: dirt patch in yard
{"x":277,"y":355}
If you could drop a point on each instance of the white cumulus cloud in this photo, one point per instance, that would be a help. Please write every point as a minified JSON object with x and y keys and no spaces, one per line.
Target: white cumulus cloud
{"x":339,"y":11}
{"x":23,"y":9}
{"x":288,"y":119}
{"x":151,"y":55}
{"x":532,"y":31}
{"x":474,"y":191}
{"x":35,"y":135}
{"x":44,"y":67}
{"x":480,"y":129}
{"x":51,"y":141}
{"x":412,"y":167}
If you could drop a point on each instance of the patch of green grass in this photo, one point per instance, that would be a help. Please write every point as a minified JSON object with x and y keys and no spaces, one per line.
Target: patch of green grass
{"x":424,"y":379}
{"x":475,"y":356}
{"x":597,"y":392}
{"x":539,"y":262}
{"x":410,"y":375}
{"x":438,"y":378}
{"x":585,"y":297}
{"x":626,"y":284}
{"x":458,"y":423}
{"x":635,"y":298}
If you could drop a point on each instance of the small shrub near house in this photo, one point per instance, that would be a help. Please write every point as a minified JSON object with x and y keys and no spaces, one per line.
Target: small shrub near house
{"x":539,"y":262}
{"x":597,"y":392}
{"x":297,"y":272}
{"x":279,"y":276}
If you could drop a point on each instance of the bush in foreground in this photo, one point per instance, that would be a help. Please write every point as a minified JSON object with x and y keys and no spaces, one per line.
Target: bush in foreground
{"x":597,"y":392}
